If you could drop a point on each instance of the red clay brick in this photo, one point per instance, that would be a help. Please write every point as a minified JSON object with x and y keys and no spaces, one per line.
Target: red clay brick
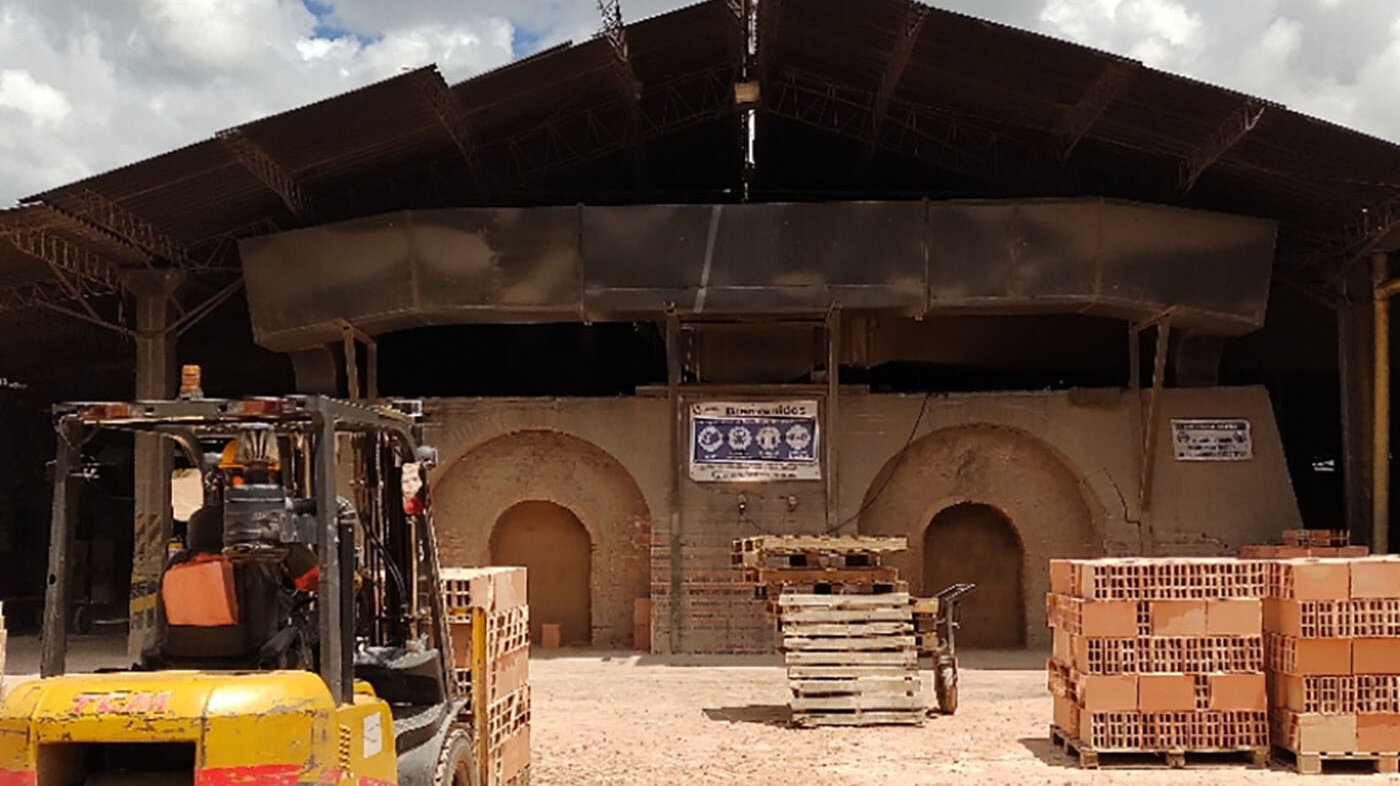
{"x":1110,"y":619}
{"x":1289,"y":655}
{"x":1066,"y":715}
{"x":1321,"y":733}
{"x":1178,"y":617}
{"x":1107,"y":693}
{"x":1375,"y":577}
{"x":1060,"y":646}
{"x":1062,"y":577}
{"x":1234,"y":617}
{"x":1315,"y":579}
{"x":1378,"y":733}
{"x":1237,"y":692}
{"x":1375,"y":656}
{"x":1166,"y":693}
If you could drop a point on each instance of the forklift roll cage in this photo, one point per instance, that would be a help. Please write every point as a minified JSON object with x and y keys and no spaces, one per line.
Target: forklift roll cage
{"x":320,"y":420}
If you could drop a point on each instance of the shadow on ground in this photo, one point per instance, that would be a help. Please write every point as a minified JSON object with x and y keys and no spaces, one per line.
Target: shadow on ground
{"x":1047,"y":752}
{"x":765,"y":714}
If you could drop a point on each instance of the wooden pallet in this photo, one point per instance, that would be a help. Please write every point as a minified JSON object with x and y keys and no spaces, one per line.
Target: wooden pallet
{"x":1318,"y":763}
{"x":827,"y":544}
{"x":851,"y":659}
{"x":1091,"y":759}
{"x":860,"y":718}
{"x":806,"y":559}
{"x":819,"y":575}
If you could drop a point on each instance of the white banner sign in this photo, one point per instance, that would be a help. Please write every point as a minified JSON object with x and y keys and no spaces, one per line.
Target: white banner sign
{"x":1212,"y":439}
{"x":754,"y":441}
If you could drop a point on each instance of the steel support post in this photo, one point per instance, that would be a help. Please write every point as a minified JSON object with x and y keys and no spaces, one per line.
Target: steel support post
{"x":53,"y":646}
{"x":1380,"y":429}
{"x":155,"y":379}
{"x":678,"y":460}
{"x":1150,"y":425}
{"x":1354,"y":371}
{"x":833,"y":394}
{"x":330,"y":601}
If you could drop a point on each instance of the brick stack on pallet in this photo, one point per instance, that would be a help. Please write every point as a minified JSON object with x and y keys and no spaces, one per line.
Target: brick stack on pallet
{"x":494,"y":599}
{"x":851,"y":659}
{"x":1158,"y":656}
{"x":1332,"y":643}
{"x":847,"y":626}
{"x":1307,"y":543}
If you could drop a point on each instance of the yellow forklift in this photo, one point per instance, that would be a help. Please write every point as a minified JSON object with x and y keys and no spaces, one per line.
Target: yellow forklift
{"x":299,"y":635}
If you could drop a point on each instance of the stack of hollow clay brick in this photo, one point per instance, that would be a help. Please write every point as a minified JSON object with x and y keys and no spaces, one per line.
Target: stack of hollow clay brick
{"x":493,"y":598}
{"x":1158,"y":656}
{"x":1332,"y":643}
{"x":1307,"y":543}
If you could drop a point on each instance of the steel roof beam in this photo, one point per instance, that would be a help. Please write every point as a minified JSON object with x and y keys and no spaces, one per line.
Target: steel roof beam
{"x":107,"y":215}
{"x":1361,"y":239}
{"x":66,"y":258}
{"x":272,"y":174}
{"x":1236,"y":127}
{"x":921,"y":132}
{"x":895,"y":64}
{"x":596,"y":131}
{"x":629,"y":87}
{"x":765,"y":34}
{"x":1080,"y":118}
{"x":57,"y":297}
{"x":453,"y":117}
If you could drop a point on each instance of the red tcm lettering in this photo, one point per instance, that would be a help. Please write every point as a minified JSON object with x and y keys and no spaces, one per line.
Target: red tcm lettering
{"x":120,"y":703}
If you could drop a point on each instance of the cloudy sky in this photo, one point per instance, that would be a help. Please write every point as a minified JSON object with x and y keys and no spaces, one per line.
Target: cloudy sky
{"x":87,"y":85}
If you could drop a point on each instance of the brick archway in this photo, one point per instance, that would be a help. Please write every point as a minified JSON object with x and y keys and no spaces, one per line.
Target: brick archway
{"x":974,"y":543}
{"x":548,"y":466}
{"x":1033,"y":487}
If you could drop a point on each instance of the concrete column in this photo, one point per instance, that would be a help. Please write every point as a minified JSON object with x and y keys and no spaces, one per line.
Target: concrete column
{"x":155,"y":379}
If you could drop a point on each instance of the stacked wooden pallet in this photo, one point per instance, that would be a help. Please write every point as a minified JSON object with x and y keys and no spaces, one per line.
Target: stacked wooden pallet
{"x":851,"y":659}
{"x":489,"y":622}
{"x":818,"y":564}
{"x":1158,"y":656}
{"x":1333,"y":658}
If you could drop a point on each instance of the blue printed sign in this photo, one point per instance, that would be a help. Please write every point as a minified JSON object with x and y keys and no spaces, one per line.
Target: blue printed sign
{"x":759,"y":441}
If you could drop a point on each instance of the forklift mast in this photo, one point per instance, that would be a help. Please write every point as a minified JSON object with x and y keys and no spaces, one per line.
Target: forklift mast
{"x":298,"y":506}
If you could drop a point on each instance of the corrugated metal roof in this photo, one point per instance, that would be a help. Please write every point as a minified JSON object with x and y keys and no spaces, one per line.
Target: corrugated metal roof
{"x":563,"y":127}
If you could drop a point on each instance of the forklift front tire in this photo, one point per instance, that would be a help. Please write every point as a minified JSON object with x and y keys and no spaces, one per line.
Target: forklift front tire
{"x":457,"y":762}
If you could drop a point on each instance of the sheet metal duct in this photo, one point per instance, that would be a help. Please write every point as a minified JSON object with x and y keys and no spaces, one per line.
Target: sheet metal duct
{"x":434,"y":267}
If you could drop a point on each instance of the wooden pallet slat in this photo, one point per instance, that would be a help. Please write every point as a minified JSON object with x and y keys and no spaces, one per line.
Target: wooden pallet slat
{"x":893,"y":600}
{"x":853,"y":628}
{"x":900,"y":683}
{"x":853,"y":644}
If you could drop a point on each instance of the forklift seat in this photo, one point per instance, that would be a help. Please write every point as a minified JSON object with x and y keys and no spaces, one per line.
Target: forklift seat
{"x":259,"y":599}
{"x":200,"y":592}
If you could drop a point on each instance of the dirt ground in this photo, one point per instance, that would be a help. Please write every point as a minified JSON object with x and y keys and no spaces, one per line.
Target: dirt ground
{"x":629,"y":720}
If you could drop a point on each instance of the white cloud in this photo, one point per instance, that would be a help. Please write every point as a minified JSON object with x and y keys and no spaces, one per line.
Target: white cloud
{"x":1161,"y":33}
{"x":43,"y":104}
{"x":86,"y":87}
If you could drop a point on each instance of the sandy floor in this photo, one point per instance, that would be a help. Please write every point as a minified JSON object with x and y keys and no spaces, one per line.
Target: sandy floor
{"x":629,"y":719}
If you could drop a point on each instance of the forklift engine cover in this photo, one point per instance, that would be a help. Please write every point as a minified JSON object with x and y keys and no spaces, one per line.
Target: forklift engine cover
{"x":224,"y":728}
